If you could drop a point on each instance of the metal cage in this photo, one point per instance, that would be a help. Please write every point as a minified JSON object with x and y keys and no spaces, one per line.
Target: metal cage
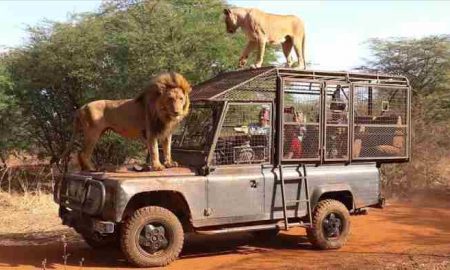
{"x":325,"y":116}
{"x":242,"y":138}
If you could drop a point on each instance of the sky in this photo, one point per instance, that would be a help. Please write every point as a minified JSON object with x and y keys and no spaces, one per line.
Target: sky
{"x":336,"y":31}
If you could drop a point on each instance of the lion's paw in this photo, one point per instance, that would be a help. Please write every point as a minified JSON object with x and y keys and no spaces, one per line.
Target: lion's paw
{"x":170,"y":164}
{"x":158,"y":167}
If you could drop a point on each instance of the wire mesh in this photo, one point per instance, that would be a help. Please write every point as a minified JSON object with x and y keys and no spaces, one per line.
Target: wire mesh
{"x":375,"y":116}
{"x":301,"y":120}
{"x":262,"y":88}
{"x":196,"y":129}
{"x":337,"y":121}
{"x":380,"y":122}
{"x":225,"y":82}
{"x":245,"y":135}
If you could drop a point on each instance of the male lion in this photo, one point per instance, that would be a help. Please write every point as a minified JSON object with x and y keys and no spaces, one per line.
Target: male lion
{"x":261,"y":27}
{"x":153,"y":115}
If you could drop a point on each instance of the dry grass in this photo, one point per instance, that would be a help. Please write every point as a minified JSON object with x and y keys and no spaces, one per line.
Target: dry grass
{"x":26,"y":213}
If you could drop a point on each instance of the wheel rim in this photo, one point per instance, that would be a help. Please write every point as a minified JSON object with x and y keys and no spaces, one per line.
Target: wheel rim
{"x":153,"y":238}
{"x":332,"y":226}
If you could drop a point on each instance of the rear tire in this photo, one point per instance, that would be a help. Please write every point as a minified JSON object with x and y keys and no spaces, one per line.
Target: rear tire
{"x":153,"y":236}
{"x":331,"y":225}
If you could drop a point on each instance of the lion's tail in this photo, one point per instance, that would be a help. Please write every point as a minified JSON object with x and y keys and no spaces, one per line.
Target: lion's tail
{"x":75,"y":128}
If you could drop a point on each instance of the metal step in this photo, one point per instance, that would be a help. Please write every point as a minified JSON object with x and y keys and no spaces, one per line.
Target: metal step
{"x":279,"y":225}
{"x":296,"y":201}
{"x":293,"y":181}
{"x":241,"y":229}
{"x":295,"y":224}
{"x":302,"y":177}
{"x":299,"y":224}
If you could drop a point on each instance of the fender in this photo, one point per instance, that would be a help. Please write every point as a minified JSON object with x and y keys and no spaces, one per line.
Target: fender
{"x":328,"y":188}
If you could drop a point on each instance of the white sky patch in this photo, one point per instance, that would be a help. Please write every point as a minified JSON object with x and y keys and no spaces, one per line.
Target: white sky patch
{"x":416,"y":29}
{"x":336,"y":31}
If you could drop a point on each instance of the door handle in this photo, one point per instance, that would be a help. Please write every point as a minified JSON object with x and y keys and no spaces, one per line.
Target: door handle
{"x":253,"y":184}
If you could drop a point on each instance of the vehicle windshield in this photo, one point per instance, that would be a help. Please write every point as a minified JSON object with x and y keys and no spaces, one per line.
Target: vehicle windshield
{"x":196,"y":129}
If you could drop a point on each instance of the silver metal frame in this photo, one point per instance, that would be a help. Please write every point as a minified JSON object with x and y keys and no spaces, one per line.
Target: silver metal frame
{"x":227,"y":104}
{"x":407,"y":126}
{"x":320,"y":144}
{"x":349,"y":122}
{"x":323,"y":78}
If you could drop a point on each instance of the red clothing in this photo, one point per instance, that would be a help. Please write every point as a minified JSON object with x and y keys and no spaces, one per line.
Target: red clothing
{"x":296,"y":148}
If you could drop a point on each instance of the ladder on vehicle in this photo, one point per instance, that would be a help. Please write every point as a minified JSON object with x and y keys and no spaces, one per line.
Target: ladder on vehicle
{"x":303,"y":178}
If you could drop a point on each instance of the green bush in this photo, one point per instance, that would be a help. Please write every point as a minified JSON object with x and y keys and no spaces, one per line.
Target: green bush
{"x":113,"y":150}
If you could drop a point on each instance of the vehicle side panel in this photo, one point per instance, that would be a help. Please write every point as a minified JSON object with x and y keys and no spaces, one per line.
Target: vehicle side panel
{"x":192,"y":188}
{"x":361,"y":180}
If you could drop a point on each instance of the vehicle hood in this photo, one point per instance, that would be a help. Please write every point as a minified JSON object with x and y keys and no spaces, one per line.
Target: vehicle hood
{"x":132,"y":175}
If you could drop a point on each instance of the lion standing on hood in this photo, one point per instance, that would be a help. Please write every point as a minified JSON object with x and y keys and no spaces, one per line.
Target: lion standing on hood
{"x":153,"y":115}
{"x":261,"y":27}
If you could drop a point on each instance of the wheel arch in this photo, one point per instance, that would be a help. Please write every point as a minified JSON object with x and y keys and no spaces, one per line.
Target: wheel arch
{"x":341,"y":192}
{"x":169,"y":199}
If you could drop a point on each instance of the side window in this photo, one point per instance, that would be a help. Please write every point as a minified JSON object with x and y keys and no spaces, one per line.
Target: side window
{"x":194,"y":131}
{"x":301,"y":120}
{"x":245,"y":135}
{"x":380,"y":122}
{"x":337,"y":109}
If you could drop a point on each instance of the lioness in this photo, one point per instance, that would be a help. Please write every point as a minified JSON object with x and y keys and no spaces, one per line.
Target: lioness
{"x":152,"y":115}
{"x":261,"y":27}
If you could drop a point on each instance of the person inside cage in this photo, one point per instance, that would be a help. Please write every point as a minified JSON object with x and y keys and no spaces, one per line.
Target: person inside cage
{"x":263,"y":125}
{"x":295,"y":135}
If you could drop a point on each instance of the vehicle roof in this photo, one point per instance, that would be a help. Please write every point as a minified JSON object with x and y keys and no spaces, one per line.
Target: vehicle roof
{"x":264,"y":80}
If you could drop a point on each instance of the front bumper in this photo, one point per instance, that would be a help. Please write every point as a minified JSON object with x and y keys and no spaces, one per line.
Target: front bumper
{"x":81,"y":201}
{"x":81,"y":193}
{"x":85,"y":224}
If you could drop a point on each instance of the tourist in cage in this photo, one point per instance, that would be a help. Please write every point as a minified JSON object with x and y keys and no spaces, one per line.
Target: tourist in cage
{"x":296,"y":135}
{"x":263,"y":125}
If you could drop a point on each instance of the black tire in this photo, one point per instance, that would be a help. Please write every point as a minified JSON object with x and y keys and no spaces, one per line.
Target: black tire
{"x":96,"y":240}
{"x":331,"y":225}
{"x":162,"y":240}
{"x":265,"y":234}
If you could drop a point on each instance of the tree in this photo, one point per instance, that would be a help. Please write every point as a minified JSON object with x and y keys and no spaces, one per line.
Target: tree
{"x":426,"y":63}
{"x":112,"y":54}
{"x":11,"y":128}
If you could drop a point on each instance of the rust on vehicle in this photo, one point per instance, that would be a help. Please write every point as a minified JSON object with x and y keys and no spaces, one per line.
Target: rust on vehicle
{"x":129,"y":174}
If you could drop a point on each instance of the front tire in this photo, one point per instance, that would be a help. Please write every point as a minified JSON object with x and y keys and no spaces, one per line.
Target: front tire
{"x":331,"y":225}
{"x":153,"y":236}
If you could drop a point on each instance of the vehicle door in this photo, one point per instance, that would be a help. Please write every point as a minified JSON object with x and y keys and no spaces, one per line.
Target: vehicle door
{"x":241,"y":145}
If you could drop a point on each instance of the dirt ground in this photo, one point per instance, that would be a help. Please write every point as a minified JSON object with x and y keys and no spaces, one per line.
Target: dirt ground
{"x":407,"y":235}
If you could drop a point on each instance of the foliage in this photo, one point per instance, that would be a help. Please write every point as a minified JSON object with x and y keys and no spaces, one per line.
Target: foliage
{"x":426,"y":63}
{"x":112,"y":150}
{"x":112,"y":54}
{"x":12,"y":131}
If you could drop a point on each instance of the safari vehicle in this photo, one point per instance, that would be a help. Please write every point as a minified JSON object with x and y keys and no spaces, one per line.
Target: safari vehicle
{"x":262,"y":150}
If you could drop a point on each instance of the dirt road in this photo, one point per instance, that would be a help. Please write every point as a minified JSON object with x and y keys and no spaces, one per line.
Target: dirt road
{"x":402,"y":236}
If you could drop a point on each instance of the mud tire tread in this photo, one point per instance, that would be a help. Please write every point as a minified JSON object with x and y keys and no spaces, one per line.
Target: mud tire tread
{"x":143,"y":216}
{"x":315,"y":233}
